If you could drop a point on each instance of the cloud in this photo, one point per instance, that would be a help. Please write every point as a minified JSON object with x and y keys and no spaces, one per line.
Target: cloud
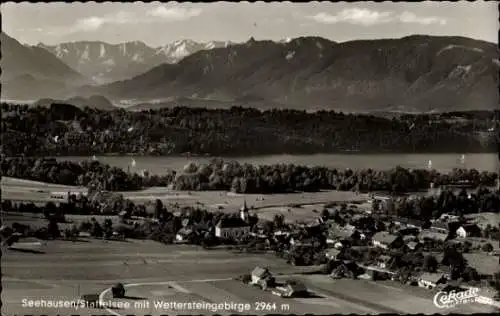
{"x":174,"y":13}
{"x":353,"y":16}
{"x":366,"y":17}
{"x":94,"y":23}
{"x":408,"y":17}
{"x":90,"y":24}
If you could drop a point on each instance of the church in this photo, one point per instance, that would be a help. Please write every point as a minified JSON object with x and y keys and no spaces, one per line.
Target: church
{"x":234,"y":227}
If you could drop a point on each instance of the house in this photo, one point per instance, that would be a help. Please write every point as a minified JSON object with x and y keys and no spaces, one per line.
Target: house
{"x":413,"y":245}
{"x":385,"y":203}
{"x":318,"y":221}
{"x":331,"y":254}
{"x":469,"y":230}
{"x":409,"y":231}
{"x":232,"y":227}
{"x":295,"y":242}
{"x":383,"y":261}
{"x":409,"y":222}
{"x":439,"y":227}
{"x":449,"y":217}
{"x":260,"y":273}
{"x":186,"y":222}
{"x":281,"y":233}
{"x":123,"y":215}
{"x":385,"y":240}
{"x":349,"y":227}
{"x":291,"y":288}
{"x":343,"y":234}
{"x":431,"y":280}
{"x":376,"y":273}
{"x":184,"y":234}
{"x":427,"y":234}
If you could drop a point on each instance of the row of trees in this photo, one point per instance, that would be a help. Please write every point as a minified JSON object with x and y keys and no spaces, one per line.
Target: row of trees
{"x":67,"y":130}
{"x":92,"y":174}
{"x":247,"y":178}
{"x":448,"y":202}
{"x":239,"y":178}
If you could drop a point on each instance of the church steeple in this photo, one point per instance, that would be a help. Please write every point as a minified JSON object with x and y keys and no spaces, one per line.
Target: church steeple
{"x":244,"y":211}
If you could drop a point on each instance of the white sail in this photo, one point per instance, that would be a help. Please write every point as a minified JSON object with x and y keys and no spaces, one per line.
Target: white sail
{"x":429,"y":164}
{"x":133,"y":164}
{"x":462,"y":159}
{"x":94,"y":158}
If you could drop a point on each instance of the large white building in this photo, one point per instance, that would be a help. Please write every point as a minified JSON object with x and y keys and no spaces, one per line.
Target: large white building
{"x":233,"y":227}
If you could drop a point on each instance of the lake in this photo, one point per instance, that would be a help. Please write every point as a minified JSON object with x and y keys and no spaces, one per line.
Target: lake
{"x":440,"y":162}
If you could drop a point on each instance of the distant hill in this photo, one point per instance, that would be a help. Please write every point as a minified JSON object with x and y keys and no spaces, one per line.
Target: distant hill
{"x":105,"y":62}
{"x":33,"y":72}
{"x":415,"y":73}
{"x":200,"y":103}
{"x":96,"y":102}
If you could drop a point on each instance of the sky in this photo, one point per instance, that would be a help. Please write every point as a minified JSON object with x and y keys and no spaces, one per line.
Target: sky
{"x":158,"y":23}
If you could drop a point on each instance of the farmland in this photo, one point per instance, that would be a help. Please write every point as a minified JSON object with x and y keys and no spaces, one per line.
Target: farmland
{"x":182,"y":273}
{"x":66,"y":270}
{"x":296,"y":206}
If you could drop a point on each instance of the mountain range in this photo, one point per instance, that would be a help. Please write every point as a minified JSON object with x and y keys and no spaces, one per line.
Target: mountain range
{"x":104,"y":63}
{"x":413,"y":73}
{"x":29,"y":72}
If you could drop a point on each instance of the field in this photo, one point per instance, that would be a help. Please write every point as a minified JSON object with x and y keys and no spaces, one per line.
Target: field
{"x":180,"y":273}
{"x":265,"y":206}
{"x":484,"y":219}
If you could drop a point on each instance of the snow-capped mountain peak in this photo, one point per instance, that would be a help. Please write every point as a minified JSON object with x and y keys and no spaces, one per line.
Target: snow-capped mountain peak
{"x":112,"y":62}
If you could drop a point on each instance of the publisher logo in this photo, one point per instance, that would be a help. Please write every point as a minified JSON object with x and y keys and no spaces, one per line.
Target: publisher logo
{"x":450,"y":299}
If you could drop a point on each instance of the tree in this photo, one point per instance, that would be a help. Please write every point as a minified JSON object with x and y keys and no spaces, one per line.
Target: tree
{"x":118,"y":291}
{"x":53,"y":229}
{"x":96,"y":229}
{"x":453,"y":258}
{"x":487,"y":247}
{"x":325,"y":214}
{"x":495,"y":282}
{"x":278,"y":221}
{"x":49,"y":209}
{"x":470,"y":274}
{"x":85,"y":226}
{"x":108,"y":228}
{"x":158,"y":208}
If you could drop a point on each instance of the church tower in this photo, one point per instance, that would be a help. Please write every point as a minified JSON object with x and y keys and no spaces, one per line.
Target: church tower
{"x":244,"y":211}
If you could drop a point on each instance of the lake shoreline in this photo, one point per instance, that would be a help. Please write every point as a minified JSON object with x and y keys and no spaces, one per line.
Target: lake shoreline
{"x":257,"y":155}
{"x":440,"y":162}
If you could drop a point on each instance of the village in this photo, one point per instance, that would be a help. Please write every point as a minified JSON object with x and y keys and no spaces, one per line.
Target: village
{"x":340,"y":240}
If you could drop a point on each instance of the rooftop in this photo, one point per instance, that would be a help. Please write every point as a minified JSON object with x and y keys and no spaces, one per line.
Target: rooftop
{"x":432,"y":235}
{"x":232,"y":222}
{"x":432,"y":277}
{"x":260,"y":272}
{"x":385,"y":237}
